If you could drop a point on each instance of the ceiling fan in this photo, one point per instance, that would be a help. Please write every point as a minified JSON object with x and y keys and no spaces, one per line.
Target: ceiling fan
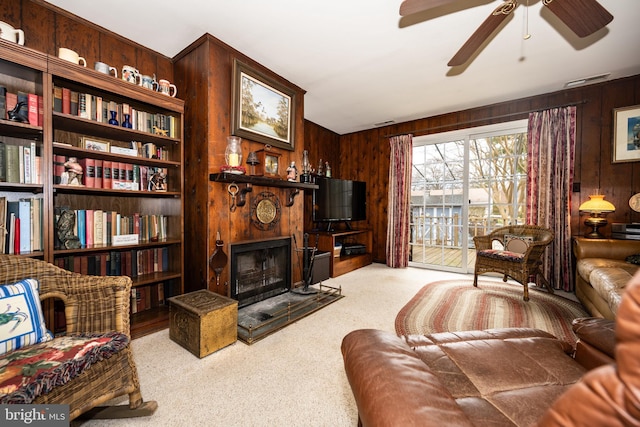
{"x":583,"y":17}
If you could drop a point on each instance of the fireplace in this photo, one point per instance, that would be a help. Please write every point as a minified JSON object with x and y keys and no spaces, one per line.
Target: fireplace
{"x":260,"y":269}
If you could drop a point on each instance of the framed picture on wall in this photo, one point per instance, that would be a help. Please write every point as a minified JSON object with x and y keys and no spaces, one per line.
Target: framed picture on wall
{"x":263,"y":109}
{"x":626,"y":134}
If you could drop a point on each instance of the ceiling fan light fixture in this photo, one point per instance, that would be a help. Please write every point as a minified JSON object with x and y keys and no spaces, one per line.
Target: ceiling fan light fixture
{"x":585,"y":80}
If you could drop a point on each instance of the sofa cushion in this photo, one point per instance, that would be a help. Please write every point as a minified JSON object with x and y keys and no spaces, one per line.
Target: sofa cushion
{"x":21,"y":319}
{"x":585,"y":266}
{"x":501,"y":255}
{"x":32,"y":371}
{"x":609,"y":284}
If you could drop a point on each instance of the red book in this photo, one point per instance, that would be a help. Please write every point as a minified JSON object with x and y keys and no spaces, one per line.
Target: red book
{"x":128,"y":175}
{"x":98,"y":168}
{"x":16,"y":231}
{"x":32,"y":108}
{"x":89,"y":172}
{"x":66,"y":100}
{"x":115,"y":174}
{"x":106,"y":174}
{"x":123,"y":175}
{"x":58,"y":167}
{"x":40,"y":110}
{"x":11,"y":99}
{"x":89,"y":227}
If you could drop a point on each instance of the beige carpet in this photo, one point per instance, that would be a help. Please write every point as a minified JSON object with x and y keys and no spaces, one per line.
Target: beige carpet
{"x":458,"y":306}
{"x":294,"y":377}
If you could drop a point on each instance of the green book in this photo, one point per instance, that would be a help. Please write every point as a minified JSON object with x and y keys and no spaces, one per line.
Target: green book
{"x":13,"y":163}
{"x":3,"y":163}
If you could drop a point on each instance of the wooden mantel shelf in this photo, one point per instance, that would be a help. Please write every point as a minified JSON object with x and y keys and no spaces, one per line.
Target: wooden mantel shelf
{"x":250,"y":180}
{"x":260,"y":180}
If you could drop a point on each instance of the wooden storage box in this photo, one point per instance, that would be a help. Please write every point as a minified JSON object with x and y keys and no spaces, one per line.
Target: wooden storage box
{"x":203,"y":321}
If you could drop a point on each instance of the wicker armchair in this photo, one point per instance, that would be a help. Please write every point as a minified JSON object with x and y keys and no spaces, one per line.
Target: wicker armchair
{"x":519,"y":265}
{"x":93,"y":305}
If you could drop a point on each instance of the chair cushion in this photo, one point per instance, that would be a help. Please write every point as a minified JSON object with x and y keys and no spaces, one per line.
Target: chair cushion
{"x":32,"y":371}
{"x":518,"y":244}
{"x":501,"y":255}
{"x":21,"y":319}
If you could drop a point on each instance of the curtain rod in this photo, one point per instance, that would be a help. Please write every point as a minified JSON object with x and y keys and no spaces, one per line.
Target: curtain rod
{"x":503,"y":116}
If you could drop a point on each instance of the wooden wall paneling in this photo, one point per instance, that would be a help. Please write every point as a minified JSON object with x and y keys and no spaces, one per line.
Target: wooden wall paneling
{"x":116,"y":52}
{"x":593,"y":151}
{"x":74,"y":35}
{"x":196,"y":171}
{"x":210,"y":68}
{"x":616,"y":180}
{"x":38,"y":24}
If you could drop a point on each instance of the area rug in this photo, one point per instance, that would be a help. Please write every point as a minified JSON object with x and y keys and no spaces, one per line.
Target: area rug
{"x":456,"y":305}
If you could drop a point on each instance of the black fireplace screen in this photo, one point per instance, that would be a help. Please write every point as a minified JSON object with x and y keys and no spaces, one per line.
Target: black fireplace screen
{"x":260,"y":270}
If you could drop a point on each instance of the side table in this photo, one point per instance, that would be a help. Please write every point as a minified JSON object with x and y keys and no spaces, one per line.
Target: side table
{"x":203,"y":321}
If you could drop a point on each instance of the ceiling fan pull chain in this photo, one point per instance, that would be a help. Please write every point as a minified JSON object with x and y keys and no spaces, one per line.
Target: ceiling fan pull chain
{"x":526,"y":35}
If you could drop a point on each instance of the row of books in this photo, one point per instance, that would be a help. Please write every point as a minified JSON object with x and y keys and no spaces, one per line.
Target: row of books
{"x":132,"y":263}
{"x":100,"y":109}
{"x":21,"y":225}
{"x":31,"y":111}
{"x":142,"y":298}
{"x":94,"y":227}
{"x":20,"y":164}
{"x":113,"y":175}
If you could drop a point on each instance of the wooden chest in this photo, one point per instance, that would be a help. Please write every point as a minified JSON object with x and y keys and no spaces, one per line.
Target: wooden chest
{"x":203,"y":321}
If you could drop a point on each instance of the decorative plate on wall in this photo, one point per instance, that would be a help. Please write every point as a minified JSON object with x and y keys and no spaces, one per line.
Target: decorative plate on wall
{"x":634,"y":202}
{"x":265,"y":211}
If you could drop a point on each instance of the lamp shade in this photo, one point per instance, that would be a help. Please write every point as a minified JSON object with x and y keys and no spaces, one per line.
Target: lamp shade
{"x":597,"y":204}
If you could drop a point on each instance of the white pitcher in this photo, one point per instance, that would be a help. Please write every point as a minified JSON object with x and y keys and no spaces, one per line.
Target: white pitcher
{"x":7,"y":32}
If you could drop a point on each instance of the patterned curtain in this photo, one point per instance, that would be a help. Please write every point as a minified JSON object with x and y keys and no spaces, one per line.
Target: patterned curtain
{"x":397,"y":252}
{"x":551,"y":146}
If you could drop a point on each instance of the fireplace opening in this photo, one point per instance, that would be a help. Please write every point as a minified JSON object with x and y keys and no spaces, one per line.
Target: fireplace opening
{"x":260,"y":270}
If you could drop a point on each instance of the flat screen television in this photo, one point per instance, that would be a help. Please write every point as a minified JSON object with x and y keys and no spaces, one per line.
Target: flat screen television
{"x":339,"y":200}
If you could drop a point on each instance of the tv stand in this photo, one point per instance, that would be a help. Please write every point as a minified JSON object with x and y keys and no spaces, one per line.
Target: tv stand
{"x":331,"y":224}
{"x":341,"y":264}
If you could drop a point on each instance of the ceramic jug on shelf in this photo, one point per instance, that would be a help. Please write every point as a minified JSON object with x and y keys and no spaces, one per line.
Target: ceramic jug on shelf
{"x":7,"y":32}
{"x":131,"y":74}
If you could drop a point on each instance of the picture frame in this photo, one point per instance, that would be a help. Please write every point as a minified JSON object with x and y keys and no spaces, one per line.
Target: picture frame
{"x":95,"y":144}
{"x":262,"y":109}
{"x":626,"y":134}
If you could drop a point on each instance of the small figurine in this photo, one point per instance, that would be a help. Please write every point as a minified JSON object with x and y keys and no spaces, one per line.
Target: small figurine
{"x":327,"y":170}
{"x":66,"y":224}
{"x":73,"y":173}
{"x":292,"y":172}
{"x":157,"y":181}
{"x":15,"y":115}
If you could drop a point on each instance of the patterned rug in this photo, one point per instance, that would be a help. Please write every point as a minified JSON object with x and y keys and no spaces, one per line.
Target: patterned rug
{"x":455,"y":305}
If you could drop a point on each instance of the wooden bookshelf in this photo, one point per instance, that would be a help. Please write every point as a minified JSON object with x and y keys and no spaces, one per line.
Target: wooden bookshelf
{"x":26,"y":70}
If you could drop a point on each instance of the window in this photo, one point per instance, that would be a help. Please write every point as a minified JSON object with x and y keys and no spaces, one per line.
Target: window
{"x":465,"y":183}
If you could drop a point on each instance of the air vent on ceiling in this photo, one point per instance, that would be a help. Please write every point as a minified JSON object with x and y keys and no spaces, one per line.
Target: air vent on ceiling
{"x":388,"y":122}
{"x":586,"y":80}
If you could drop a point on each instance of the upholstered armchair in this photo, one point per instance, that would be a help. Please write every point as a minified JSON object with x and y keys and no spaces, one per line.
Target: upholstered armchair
{"x":514,"y":251}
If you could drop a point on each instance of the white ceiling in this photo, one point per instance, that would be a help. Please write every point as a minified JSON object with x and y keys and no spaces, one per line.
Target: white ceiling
{"x":362,"y":64}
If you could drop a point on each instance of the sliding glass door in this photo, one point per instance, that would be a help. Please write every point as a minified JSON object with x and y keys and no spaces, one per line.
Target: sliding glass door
{"x":465,"y":184}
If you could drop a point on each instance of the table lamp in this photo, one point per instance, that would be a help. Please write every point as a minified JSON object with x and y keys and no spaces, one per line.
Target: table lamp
{"x":597,"y":208}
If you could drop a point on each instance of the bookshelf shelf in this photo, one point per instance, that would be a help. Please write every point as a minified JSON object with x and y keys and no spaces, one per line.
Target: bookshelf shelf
{"x":58,"y":135}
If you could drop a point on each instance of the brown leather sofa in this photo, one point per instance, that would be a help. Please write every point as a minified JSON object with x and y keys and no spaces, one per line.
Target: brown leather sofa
{"x":602,"y":273}
{"x":500,"y":377}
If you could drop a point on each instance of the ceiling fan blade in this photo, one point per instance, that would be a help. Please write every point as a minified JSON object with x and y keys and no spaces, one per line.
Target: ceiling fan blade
{"x":482,"y":33}
{"x":407,"y":7}
{"x":583,"y":17}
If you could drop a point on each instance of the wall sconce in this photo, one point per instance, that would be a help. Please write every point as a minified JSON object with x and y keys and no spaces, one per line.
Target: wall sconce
{"x":598,"y":208}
